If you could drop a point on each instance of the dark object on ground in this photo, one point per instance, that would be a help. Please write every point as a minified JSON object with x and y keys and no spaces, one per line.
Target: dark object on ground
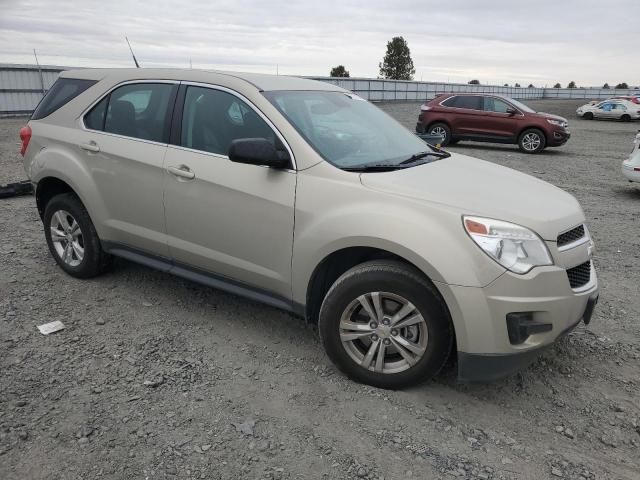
{"x":15,"y":189}
{"x":431,"y":139}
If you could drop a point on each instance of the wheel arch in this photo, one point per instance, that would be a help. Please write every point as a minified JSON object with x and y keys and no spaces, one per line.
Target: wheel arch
{"x":333,"y":265}
{"x":47,"y":188}
{"x":534,"y":127}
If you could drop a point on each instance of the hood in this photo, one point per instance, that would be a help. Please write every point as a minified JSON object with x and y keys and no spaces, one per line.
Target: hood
{"x":476,"y":187}
{"x":552,"y":116}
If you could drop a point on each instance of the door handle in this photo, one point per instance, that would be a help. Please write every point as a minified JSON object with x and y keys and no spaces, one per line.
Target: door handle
{"x":181,"y":171}
{"x":90,"y":147}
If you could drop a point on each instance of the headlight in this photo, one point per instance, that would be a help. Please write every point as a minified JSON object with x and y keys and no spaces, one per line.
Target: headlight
{"x":560,"y":123}
{"x":514,"y":247}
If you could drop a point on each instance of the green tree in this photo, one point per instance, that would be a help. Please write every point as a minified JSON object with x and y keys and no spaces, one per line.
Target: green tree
{"x":622,"y":85}
{"x":397,"y":63}
{"x":572,"y":84}
{"x":606,"y":86}
{"x":474,"y":82}
{"x":517,"y":85}
{"x":557,"y":85}
{"x":531,"y":86}
{"x":339,"y":71}
{"x":506,"y":84}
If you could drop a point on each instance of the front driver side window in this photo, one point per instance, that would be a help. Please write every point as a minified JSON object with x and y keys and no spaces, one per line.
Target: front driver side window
{"x":212,"y":119}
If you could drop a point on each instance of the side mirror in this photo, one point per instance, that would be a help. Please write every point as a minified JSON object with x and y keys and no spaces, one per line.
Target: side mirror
{"x":257,"y":151}
{"x":511,"y":111}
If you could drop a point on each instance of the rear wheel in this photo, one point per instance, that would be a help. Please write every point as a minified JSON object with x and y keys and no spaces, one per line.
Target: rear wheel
{"x":441,"y":129}
{"x":588,"y":116}
{"x":532,"y":140}
{"x":625,"y":118}
{"x":72,"y":238}
{"x":382,"y":323}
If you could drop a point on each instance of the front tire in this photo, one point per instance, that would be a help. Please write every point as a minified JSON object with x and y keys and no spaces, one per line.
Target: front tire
{"x":441,"y":129}
{"x":625,"y":118}
{"x":384,"y":324}
{"x":71,"y":237}
{"x":588,"y":116}
{"x":532,"y":140}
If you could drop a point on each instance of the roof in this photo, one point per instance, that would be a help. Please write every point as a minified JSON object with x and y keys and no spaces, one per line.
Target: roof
{"x":261,"y":81}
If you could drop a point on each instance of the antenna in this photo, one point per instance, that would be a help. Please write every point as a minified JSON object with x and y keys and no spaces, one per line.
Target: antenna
{"x":132,"y":54}
{"x":39,"y":70}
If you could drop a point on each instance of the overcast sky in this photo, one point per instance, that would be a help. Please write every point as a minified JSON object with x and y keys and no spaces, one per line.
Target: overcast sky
{"x":495,"y":41}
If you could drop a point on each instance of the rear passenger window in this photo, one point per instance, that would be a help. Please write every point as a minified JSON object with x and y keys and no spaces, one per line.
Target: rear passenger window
{"x":62,"y":92}
{"x":212,"y":119}
{"x":470,"y":102}
{"x":138,"y":110}
{"x":450,"y":102}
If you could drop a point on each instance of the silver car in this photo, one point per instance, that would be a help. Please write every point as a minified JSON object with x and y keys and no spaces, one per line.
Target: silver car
{"x":623,"y":110}
{"x":302,"y":195}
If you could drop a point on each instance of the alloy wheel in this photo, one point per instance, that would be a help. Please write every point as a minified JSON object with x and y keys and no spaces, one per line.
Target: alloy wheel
{"x":383,"y":332}
{"x":531,"y":141}
{"x":439,"y":131}
{"x":67,"y":238}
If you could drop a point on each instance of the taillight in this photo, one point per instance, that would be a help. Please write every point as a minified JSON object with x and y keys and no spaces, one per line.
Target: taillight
{"x":25,"y":136}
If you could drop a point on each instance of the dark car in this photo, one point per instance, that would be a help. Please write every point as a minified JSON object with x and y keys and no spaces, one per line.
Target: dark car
{"x":491,"y":118}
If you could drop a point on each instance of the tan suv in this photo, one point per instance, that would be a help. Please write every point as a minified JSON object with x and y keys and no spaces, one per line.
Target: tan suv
{"x":303,"y":196}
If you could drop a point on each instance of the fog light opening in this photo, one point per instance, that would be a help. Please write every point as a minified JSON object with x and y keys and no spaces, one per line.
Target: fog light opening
{"x":521,"y":325}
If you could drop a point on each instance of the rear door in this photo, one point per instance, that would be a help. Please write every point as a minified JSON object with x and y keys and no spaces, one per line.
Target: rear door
{"x":467,"y":115}
{"x":124,"y":141}
{"x":228,"y":219}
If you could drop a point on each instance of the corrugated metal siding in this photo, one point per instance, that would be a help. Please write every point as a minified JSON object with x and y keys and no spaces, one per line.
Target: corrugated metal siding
{"x":21,"y":86}
{"x":21,"y":89}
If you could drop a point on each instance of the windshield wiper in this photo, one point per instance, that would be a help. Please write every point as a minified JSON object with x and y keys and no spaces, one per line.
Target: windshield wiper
{"x":419,"y":155}
{"x":379,"y":167}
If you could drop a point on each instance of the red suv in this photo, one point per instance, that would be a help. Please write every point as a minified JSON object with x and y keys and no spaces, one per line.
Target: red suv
{"x":491,"y":118}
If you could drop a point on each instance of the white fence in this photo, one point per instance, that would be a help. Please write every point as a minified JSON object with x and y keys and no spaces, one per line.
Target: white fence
{"x":21,"y":88}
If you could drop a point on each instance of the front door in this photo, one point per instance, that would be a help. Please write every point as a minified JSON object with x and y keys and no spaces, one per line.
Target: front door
{"x":228,"y":219}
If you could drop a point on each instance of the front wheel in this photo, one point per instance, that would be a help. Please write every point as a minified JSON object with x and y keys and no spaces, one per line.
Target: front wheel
{"x":532,"y":140}
{"x":443,"y":130}
{"x":625,"y":118}
{"x":588,"y":116}
{"x":384,"y":324}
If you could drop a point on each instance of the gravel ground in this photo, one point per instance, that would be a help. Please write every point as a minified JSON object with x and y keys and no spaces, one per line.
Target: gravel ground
{"x":156,"y":377}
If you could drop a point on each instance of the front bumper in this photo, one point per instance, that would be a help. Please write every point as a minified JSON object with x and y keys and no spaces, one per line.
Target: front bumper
{"x":544,"y":296}
{"x":629,"y":172}
{"x":558,"y":138}
{"x":477,"y":367}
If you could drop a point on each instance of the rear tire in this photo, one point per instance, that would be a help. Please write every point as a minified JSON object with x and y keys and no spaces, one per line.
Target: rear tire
{"x":358,"y":314}
{"x":532,"y":140}
{"x":588,"y":116}
{"x":441,"y":129}
{"x":625,"y":118}
{"x":72,"y":239}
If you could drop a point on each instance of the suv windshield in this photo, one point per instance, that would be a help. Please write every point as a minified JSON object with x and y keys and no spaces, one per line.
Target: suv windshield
{"x":521,"y":106}
{"x":349,"y":132}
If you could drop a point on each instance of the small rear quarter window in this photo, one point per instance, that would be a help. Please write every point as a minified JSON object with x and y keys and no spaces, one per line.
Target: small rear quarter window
{"x":63,"y":91}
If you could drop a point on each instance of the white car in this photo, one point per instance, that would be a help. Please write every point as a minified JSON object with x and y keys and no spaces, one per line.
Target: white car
{"x":631,"y":166}
{"x":610,"y":109}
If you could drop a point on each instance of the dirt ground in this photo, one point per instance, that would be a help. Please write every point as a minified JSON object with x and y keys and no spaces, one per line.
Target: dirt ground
{"x":155,"y":377}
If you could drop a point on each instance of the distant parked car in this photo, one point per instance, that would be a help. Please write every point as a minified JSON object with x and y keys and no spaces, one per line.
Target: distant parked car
{"x":612,"y":109}
{"x":631,"y":98}
{"x":631,"y":166}
{"x":491,"y":118}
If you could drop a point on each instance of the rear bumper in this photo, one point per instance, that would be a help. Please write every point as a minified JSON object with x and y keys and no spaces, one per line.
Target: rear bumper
{"x":478,"y":367}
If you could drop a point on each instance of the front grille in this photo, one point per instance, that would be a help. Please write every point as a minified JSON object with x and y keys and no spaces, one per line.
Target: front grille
{"x":580,"y":275}
{"x":571,"y":236}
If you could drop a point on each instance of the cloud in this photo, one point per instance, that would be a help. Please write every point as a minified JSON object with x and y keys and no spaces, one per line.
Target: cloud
{"x":495,"y":41}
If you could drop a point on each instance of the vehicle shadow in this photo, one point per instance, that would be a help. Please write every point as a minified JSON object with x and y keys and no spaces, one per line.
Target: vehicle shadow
{"x":497,"y":147}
